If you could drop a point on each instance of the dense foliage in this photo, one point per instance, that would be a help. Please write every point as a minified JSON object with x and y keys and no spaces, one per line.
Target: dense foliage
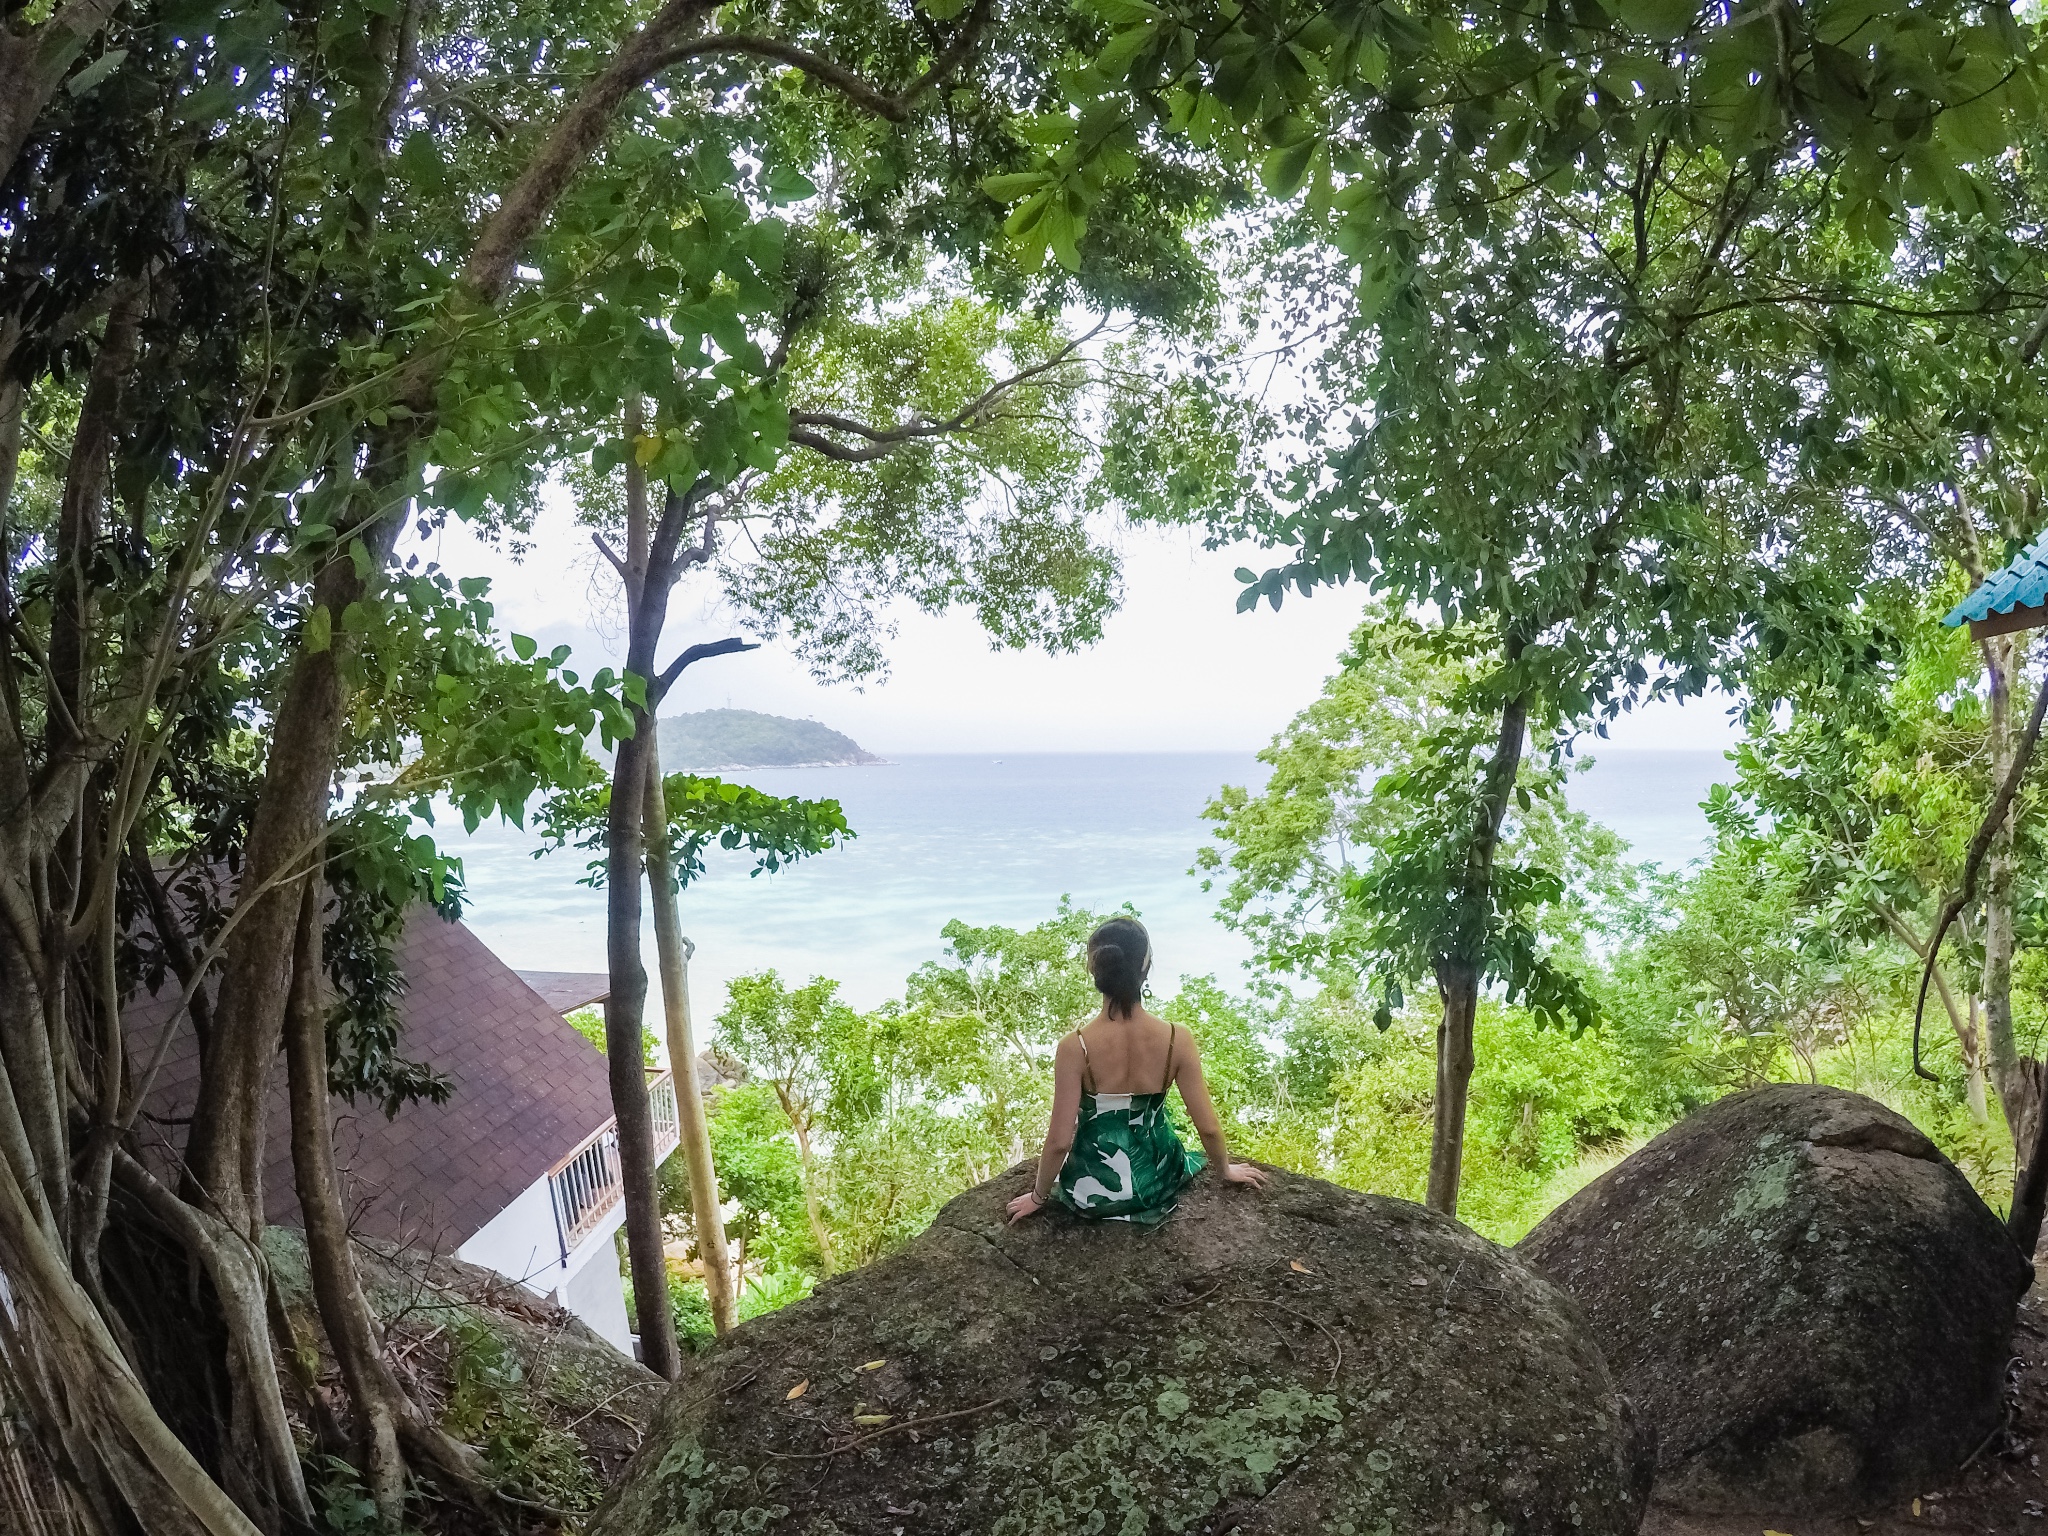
{"x":1633,"y":349}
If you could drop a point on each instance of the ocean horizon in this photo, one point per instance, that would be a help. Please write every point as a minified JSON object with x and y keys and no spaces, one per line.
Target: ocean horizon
{"x":986,"y":838}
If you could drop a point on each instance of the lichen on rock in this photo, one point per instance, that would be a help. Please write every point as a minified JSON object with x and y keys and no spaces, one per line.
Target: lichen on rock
{"x":1806,"y":1299}
{"x":1302,"y":1359}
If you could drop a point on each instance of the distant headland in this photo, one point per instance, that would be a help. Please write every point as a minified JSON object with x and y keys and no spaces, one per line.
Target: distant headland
{"x":744,"y":738}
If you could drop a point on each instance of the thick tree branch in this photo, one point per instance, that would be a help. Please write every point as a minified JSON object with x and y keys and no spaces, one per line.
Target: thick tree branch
{"x":2037,"y":333}
{"x":690,"y":657}
{"x":170,"y":933}
{"x":849,"y":83}
{"x":882,"y":441}
{"x":488,"y":272}
{"x":612,"y":555}
{"x":527,"y":203}
{"x":34,"y":63}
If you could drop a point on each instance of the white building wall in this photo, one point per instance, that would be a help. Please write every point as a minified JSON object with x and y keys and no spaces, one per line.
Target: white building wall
{"x":520,"y":1243}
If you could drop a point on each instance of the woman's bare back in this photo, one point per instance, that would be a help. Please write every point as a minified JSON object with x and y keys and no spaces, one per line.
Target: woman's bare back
{"x":1132,"y":1055}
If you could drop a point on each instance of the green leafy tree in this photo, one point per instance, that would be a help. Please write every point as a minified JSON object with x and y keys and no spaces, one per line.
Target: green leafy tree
{"x":1545,"y":408}
{"x":985,"y":1025}
{"x":1865,"y":804}
{"x":797,"y":1041}
{"x":1355,"y":858}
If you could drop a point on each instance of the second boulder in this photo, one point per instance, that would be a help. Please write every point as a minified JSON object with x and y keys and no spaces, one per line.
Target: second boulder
{"x":1804,"y":1297}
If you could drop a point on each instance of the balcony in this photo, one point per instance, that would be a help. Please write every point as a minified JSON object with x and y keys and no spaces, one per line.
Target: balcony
{"x":588,"y":1183}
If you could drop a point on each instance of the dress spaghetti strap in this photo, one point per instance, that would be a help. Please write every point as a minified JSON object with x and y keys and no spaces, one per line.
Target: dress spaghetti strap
{"x":1087,"y":1072}
{"x":1171,"y":1037}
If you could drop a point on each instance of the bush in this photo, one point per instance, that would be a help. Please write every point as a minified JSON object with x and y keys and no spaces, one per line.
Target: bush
{"x":692,"y":1309}
{"x":490,"y":1407}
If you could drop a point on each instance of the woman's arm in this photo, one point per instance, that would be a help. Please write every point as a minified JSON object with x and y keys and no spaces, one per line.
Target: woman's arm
{"x":1194,"y":1093}
{"x":1059,"y":1131}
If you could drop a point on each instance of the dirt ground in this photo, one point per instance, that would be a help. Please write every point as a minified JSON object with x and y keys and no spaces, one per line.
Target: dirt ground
{"x":2003,"y":1491}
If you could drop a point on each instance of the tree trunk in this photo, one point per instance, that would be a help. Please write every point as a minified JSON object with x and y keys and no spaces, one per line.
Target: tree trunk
{"x":224,"y":1158}
{"x":626,"y":1007}
{"x":813,"y":1210}
{"x":624,"y":1012}
{"x":1973,"y":1068}
{"x":1458,"y":986}
{"x":81,"y":517}
{"x":157,"y":1476}
{"x":344,"y":1312}
{"x":2016,"y":1088}
{"x":33,"y":63}
{"x":1458,"y":974}
{"x":675,"y":953}
{"x":390,"y":1426}
{"x":2030,"y":1178}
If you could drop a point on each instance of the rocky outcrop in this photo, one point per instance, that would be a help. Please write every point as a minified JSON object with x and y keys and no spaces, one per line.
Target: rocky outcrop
{"x":1808,"y":1301}
{"x":1302,"y":1359}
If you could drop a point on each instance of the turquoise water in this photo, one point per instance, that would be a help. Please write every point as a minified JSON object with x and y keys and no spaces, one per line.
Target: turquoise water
{"x":985,"y":839}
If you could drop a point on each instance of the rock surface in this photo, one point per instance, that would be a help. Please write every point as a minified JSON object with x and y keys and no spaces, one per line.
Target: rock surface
{"x":1807,"y":1301}
{"x":1302,"y":1359}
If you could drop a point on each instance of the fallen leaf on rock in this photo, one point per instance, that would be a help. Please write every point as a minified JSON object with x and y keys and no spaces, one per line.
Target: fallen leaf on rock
{"x":1417,"y":1280}
{"x":1916,"y":1509}
{"x":798,"y":1390}
{"x":874,"y":1365}
{"x":1299,"y":1268}
{"x":873,"y":1418}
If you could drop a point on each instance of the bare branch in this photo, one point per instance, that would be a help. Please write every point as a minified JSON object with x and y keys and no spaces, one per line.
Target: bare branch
{"x":884,"y":440}
{"x":2030,"y":348}
{"x":610,"y":554}
{"x":862,"y":93}
{"x":690,"y":657}
{"x":529,"y":200}
{"x":849,"y":83}
{"x":527,"y":203}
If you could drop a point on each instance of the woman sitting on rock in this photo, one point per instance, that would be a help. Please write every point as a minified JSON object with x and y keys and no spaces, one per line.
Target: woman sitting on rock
{"x":1113,"y":1155}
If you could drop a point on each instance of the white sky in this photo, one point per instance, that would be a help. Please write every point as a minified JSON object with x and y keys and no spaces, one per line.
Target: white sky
{"x":1177,"y":670}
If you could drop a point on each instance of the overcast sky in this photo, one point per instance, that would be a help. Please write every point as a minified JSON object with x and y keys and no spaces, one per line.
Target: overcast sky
{"x":1177,"y":670}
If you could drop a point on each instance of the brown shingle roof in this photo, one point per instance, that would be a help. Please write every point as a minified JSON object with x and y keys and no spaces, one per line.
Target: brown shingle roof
{"x":566,"y":991}
{"x":528,"y":1089}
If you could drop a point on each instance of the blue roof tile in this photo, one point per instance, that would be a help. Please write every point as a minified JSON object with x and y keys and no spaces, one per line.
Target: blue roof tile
{"x":2022,"y":584}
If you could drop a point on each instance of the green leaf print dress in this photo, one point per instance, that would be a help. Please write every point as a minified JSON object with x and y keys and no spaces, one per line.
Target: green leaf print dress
{"x":1126,"y":1163}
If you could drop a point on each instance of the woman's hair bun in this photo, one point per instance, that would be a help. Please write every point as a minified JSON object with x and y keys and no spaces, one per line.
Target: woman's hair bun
{"x":1119,"y":955}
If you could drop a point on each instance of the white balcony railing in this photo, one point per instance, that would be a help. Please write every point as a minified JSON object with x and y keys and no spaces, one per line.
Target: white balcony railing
{"x":588,"y":1183}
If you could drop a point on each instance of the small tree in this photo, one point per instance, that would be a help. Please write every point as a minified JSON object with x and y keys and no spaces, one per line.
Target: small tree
{"x":798,"y":1041}
{"x":690,"y":816}
{"x":986,"y":1025}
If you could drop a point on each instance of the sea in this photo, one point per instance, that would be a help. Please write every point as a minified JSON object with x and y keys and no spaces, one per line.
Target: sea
{"x":986,"y":839}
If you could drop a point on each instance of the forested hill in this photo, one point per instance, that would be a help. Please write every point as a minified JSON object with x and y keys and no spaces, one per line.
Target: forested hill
{"x":744,"y":738}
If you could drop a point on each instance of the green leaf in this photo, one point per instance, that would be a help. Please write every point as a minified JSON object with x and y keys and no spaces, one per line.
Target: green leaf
{"x":788,"y":185}
{"x":1015,"y":185}
{"x":1285,"y":169}
{"x":1659,"y":20}
{"x":523,"y":647}
{"x":319,"y":630}
{"x":1117,"y":54}
{"x":96,"y":71}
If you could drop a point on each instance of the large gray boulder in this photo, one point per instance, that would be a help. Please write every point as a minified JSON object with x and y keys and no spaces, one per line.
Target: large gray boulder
{"x":1809,"y":1302}
{"x":1302,"y":1359}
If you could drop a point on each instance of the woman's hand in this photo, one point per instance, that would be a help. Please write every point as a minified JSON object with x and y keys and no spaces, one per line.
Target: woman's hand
{"x":1026,"y":1204}
{"x":1245,"y":1173}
